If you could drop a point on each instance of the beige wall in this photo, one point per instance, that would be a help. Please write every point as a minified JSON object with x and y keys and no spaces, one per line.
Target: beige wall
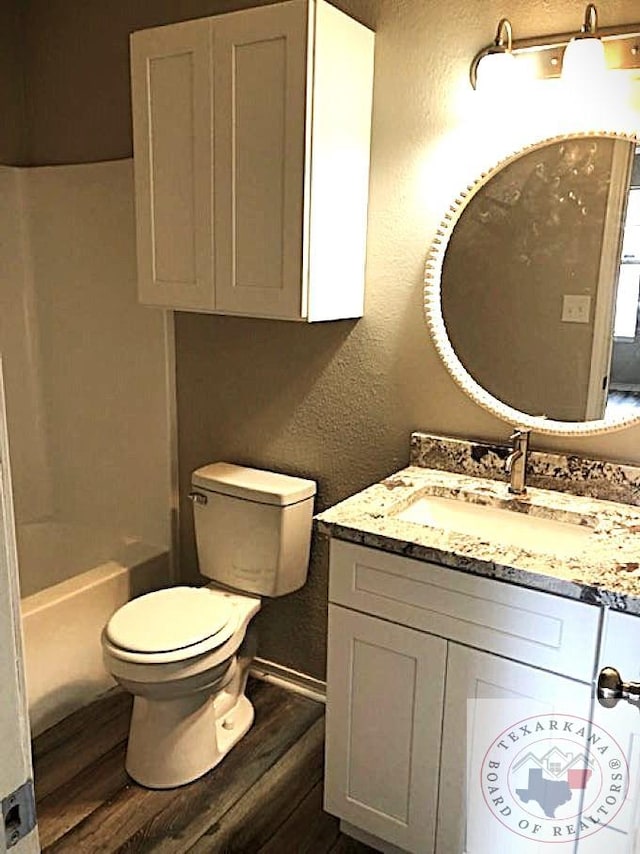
{"x":335,"y":402}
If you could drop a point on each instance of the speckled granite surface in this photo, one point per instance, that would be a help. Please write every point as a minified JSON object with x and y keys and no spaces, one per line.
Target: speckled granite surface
{"x":561,"y":472}
{"x":603,"y":569}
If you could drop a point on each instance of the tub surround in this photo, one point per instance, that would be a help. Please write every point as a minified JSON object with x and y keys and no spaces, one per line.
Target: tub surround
{"x":601,"y":495}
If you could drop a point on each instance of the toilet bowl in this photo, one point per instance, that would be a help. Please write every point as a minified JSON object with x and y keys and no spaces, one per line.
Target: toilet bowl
{"x":184,"y":652}
{"x":178,"y":651}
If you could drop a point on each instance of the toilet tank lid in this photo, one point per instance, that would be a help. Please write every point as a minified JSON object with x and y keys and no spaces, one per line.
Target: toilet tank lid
{"x":266,"y":487}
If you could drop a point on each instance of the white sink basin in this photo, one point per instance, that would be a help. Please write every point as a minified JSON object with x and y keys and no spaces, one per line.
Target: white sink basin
{"x":499,"y":525}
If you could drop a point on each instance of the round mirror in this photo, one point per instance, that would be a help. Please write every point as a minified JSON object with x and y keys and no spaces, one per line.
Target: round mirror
{"x":533,"y":286}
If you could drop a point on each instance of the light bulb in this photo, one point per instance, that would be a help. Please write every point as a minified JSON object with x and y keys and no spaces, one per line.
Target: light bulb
{"x":495,"y":71}
{"x":583,"y":61}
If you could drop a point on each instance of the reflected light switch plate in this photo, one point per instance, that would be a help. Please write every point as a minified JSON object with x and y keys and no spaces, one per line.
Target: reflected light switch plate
{"x":576,"y":308}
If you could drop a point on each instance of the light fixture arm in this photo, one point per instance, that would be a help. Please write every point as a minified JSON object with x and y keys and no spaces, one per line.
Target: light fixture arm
{"x":504,"y":32}
{"x":590,"y":20}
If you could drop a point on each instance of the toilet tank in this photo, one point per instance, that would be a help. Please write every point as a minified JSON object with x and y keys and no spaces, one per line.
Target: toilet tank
{"x":253,"y":527}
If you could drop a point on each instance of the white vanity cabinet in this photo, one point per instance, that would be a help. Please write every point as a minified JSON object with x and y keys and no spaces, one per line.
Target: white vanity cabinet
{"x":410,"y":643}
{"x":251,"y":144}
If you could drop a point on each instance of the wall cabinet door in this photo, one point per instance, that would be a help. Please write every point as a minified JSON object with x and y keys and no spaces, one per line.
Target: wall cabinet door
{"x":385,"y":688}
{"x":259,"y":67}
{"x":513,"y":745}
{"x":251,"y":144}
{"x":171,"y":100}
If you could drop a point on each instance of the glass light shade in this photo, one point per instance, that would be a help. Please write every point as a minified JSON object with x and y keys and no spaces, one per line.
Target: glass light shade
{"x":495,"y":71}
{"x":583,"y":61}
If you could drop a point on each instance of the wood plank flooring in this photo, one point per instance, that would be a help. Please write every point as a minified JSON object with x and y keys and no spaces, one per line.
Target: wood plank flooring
{"x":265,"y":796}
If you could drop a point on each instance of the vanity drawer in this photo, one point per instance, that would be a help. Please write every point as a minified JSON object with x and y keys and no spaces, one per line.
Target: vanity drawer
{"x":541,"y":629}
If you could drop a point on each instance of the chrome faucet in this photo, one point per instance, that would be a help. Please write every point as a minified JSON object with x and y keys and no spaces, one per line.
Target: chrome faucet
{"x":516,"y":463}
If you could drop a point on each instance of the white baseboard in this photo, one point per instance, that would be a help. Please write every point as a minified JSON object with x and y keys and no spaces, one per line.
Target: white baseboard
{"x":292,"y":680}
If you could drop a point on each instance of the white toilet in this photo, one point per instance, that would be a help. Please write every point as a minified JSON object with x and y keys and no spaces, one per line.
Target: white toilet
{"x":180,"y":651}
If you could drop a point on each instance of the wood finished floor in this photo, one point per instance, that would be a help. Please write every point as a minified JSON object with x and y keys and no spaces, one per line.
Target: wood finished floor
{"x":266,"y":795}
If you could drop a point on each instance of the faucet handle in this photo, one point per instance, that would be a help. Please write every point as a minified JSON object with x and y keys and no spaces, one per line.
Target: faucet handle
{"x":520,"y":440}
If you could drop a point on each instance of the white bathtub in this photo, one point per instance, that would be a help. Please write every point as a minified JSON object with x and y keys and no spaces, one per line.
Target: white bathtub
{"x":73,"y":578}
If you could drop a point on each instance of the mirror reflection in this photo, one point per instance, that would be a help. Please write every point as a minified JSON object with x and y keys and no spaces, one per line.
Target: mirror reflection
{"x":541,"y":277}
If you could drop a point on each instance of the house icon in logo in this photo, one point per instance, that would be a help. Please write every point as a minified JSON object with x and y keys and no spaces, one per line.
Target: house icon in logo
{"x":558,"y":764}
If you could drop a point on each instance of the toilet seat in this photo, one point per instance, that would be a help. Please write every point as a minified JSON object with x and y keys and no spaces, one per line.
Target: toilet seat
{"x":172,"y":625}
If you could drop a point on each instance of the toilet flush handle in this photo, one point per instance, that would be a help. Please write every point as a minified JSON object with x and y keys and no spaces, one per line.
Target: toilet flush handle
{"x":198,"y":498}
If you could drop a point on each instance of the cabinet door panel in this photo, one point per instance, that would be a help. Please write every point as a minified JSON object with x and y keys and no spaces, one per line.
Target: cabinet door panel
{"x":618,"y":812}
{"x":621,"y":827}
{"x":512,"y":693}
{"x":172,"y":143}
{"x":384,"y":704}
{"x":259,"y":73}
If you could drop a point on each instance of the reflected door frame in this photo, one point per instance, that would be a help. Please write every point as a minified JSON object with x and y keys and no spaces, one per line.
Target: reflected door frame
{"x":607,"y":288}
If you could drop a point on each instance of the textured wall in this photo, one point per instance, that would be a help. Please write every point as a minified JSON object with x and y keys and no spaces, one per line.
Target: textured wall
{"x":337,"y":401}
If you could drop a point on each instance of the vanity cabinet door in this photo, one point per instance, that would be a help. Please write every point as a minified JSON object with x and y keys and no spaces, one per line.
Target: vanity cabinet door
{"x":619,"y":815}
{"x":487,"y":701}
{"x":385,"y":687}
{"x":621,"y":720}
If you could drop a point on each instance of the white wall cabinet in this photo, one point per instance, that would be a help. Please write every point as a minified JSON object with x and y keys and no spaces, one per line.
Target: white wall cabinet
{"x":251,"y":143}
{"x":402,"y":741}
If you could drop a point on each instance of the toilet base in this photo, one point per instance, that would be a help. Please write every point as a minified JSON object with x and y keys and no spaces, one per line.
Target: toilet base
{"x":174,"y":741}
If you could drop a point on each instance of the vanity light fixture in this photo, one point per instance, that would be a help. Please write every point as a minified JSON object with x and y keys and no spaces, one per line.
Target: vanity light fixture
{"x":547,"y":55}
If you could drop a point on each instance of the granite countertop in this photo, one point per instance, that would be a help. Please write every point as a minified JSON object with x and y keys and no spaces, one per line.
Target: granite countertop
{"x":603,"y":571}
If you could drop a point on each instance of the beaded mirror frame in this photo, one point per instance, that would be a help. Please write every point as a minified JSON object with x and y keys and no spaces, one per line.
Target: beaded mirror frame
{"x":437,"y":326}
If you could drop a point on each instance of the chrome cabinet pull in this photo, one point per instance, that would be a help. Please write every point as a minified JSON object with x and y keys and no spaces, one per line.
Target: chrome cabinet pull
{"x":611,"y":688}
